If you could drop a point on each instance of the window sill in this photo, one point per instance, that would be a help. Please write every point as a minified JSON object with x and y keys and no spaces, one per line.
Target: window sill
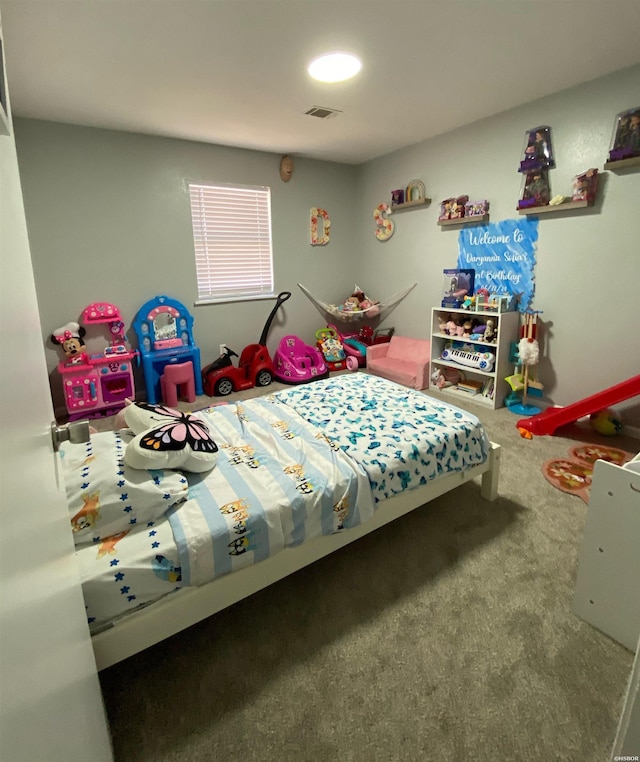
{"x":232,"y":299}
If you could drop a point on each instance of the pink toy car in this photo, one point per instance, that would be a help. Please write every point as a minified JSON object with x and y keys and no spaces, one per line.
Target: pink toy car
{"x":296,"y":362}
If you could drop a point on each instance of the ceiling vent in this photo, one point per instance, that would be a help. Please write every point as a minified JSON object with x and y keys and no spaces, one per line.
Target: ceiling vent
{"x":322,"y":113}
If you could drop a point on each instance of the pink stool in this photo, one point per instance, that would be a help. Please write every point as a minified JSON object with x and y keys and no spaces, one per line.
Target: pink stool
{"x":177,"y":377}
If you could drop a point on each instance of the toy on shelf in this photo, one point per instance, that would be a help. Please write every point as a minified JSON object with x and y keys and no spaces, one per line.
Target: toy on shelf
{"x":413,"y":195}
{"x":255,"y":366}
{"x":625,"y":141}
{"x":457,"y":285}
{"x":445,"y":377}
{"x":164,"y":327}
{"x":538,"y":153}
{"x":525,"y":354}
{"x":535,"y":189}
{"x":453,"y":208}
{"x":468,"y":355}
{"x":330,"y":344}
{"x":585,"y":186}
{"x":397,"y":197}
{"x":490,"y":331}
{"x":476,"y":208}
{"x":296,"y":362}
{"x":95,"y":385}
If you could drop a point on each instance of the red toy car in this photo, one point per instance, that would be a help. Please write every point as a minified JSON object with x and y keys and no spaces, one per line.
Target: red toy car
{"x":255,"y":368}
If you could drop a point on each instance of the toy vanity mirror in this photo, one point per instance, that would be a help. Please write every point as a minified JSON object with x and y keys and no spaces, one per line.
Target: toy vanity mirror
{"x":165,"y":326}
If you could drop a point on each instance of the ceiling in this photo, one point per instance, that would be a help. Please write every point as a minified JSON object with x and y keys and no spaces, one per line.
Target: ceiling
{"x":233,"y":72}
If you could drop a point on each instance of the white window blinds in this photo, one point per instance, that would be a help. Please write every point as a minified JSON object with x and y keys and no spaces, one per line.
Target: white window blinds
{"x":232,"y":241}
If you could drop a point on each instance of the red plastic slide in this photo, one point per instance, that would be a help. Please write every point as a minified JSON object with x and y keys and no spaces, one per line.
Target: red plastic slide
{"x":550,"y":419}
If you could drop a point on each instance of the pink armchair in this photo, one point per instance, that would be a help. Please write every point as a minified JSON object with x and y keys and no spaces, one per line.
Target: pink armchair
{"x":402,"y":359}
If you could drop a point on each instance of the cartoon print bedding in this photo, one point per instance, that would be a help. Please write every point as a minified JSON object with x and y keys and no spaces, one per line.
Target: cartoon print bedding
{"x":292,"y":465}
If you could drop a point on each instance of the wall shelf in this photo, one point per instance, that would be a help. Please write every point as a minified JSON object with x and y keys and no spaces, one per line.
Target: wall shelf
{"x":475,"y":218}
{"x":535,"y":210}
{"x":634,"y":161}
{"x":409,"y":204}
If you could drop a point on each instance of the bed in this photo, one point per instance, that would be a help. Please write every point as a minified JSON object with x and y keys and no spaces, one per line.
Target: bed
{"x":299,"y":474}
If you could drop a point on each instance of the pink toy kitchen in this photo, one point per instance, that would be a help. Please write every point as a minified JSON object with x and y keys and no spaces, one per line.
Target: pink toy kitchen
{"x":96,"y":384}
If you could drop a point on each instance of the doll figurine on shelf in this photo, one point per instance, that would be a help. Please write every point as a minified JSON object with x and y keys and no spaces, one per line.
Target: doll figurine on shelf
{"x":585,"y":186}
{"x":536,"y":190}
{"x":537,"y":153}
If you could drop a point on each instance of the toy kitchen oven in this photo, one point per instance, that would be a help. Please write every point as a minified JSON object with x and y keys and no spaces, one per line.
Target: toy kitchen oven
{"x":97,"y":385}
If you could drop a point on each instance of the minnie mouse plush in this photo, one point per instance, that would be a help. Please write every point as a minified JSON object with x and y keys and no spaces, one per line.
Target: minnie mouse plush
{"x":70,"y":338}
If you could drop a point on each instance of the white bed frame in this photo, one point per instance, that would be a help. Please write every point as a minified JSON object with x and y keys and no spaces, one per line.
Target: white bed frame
{"x":183,"y":608}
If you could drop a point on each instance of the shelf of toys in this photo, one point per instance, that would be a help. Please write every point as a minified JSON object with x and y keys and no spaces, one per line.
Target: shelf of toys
{"x":95,"y":385}
{"x":410,"y":204}
{"x":411,"y":197}
{"x":563,"y":206}
{"x":470,"y":339}
{"x":460,"y":211}
{"x":634,"y":161}
{"x":537,"y":161}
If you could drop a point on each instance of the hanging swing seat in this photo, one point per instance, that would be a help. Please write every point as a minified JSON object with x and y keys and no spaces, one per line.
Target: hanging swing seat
{"x":376,"y":312}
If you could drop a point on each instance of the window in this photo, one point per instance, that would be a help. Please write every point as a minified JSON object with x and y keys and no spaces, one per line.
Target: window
{"x":232,"y":241}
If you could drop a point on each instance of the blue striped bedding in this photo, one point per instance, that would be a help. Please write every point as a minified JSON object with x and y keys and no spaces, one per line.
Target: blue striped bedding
{"x":310,"y":460}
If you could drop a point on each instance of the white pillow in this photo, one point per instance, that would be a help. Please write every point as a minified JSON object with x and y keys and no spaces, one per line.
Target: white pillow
{"x":106,"y":496}
{"x":168,"y":438}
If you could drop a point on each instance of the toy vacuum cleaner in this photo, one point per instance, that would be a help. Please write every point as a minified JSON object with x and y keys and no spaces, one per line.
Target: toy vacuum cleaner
{"x":255,"y":367}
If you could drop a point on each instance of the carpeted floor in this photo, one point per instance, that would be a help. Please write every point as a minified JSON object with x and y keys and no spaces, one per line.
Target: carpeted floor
{"x":447,"y":635}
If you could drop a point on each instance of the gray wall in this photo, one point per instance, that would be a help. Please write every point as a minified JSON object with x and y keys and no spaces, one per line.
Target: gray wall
{"x":108,"y":219}
{"x":588,"y":261}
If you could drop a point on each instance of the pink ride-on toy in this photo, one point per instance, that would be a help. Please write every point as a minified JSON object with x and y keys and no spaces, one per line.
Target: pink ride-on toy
{"x":296,"y":362}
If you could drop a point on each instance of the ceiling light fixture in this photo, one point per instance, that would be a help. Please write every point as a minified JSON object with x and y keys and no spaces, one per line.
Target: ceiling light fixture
{"x":335,"y":67}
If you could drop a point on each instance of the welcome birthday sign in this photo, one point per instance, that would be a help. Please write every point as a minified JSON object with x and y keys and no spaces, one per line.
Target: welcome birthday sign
{"x":503,"y":254}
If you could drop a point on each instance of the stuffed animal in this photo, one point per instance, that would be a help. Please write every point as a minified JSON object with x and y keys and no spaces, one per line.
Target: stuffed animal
{"x":490,"y":331}
{"x":71,"y":339}
{"x":351,"y":304}
{"x":166,"y":438}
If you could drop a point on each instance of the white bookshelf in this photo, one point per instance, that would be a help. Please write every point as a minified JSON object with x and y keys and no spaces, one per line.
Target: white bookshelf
{"x":494,"y":387}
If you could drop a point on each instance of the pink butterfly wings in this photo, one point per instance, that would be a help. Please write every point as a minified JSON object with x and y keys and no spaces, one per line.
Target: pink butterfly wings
{"x":179,"y":430}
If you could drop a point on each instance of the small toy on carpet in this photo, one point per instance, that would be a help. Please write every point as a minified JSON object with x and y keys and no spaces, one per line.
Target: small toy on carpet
{"x":606,"y":422}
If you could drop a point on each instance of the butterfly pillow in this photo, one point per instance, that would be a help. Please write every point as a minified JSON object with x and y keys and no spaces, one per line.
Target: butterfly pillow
{"x":167,"y":438}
